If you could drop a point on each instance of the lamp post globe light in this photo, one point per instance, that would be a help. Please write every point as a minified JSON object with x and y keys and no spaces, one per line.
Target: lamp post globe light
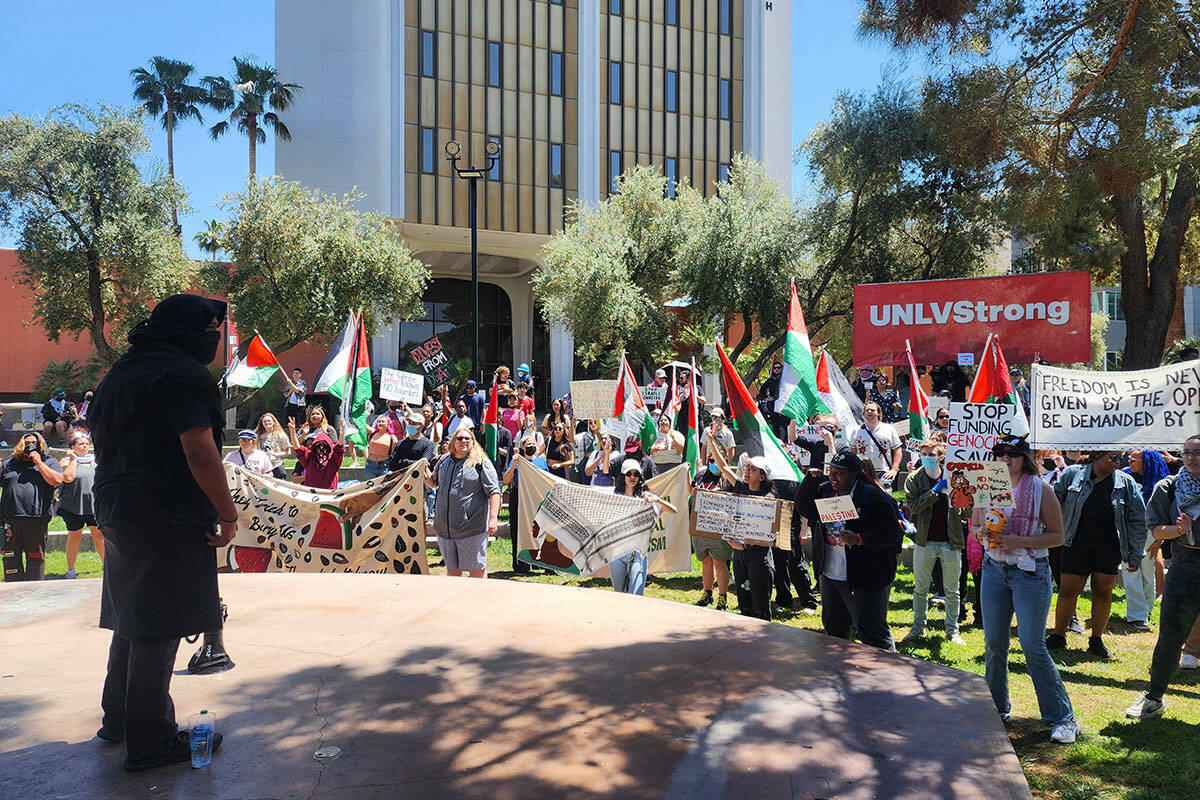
{"x":474,"y":174}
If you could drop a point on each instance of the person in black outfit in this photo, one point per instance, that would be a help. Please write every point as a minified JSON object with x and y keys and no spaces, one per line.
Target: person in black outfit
{"x":26,"y":506}
{"x":768,"y":394}
{"x":791,"y":572}
{"x":163,"y":506}
{"x":952,"y":379}
{"x":856,"y":560}
{"x":512,"y":478}
{"x":753,"y":564}
{"x":413,"y":447}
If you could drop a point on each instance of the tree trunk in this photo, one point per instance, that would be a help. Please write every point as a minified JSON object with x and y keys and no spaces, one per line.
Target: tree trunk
{"x":252,"y":129}
{"x":95,"y":298}
{"x":171,"y":168}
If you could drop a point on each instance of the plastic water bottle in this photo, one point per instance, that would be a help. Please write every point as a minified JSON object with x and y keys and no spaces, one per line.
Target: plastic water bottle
{"x":203,"y":727}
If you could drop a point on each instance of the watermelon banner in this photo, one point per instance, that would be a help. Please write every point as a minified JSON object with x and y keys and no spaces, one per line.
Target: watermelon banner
{"x":373,"y":526}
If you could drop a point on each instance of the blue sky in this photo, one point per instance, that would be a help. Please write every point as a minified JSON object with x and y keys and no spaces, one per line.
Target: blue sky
{"x":82,"y":51}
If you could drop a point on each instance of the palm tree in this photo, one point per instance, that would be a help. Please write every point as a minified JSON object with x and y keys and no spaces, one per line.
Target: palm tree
{"x":209,"y":239}
{"x":255,"y":88}
{"x":164,"y":92}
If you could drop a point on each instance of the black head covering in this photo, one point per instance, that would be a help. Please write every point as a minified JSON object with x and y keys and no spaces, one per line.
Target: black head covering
{"x":182,"y":321}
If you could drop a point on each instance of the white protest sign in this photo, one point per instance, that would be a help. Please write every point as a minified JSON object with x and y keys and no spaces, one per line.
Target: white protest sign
{"x":407,"y":387}
{"x":836,"y":509}
{"x":979,"y":483}
{"x":966,"y":359}
{"x":653,"y":395}
{"x":1142,"y":410}
{"x":741,"y":517}
{"x":593,"y":399}
{"x":936,"y":404}
{"x":975,"y":427}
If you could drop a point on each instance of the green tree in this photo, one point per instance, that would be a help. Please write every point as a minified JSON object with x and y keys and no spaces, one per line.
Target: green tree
{"x":164,"y":92}
{"x":302,"y":260}
{"x":608,"y":272}
{"x":94,"y":235}
{"x":253,"y":99}
{"x":210,"y":237}
{"x":1087,"y":112}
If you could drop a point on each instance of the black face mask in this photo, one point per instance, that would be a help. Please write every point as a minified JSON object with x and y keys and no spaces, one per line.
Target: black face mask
{"x":1048,"y":463}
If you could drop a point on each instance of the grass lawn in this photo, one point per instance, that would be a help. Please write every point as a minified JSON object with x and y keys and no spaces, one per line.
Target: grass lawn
{"x":1114,"y":759}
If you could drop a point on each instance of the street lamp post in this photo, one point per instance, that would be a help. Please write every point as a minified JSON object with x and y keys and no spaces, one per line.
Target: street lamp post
{"x":474,"y":175}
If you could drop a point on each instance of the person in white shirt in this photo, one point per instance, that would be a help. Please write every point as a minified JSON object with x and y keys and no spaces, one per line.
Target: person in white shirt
{"x":719,"y":434}
{"x":460,"y":418}
{"x":878,"y":443}
{"x":248,"y":455}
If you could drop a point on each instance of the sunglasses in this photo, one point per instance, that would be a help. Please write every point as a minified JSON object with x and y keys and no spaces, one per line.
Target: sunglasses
{"x":633,"y":474}
{"x":1005,"y":452}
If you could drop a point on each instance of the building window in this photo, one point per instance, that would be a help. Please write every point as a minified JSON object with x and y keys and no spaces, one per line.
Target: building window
{"x":428,"y":54}
{"x":428,"y":164}
{"x":1112,"y":306}
{"x":724,"y":98}
{"x":556,"y":74}
{"x":672,"y":173}
{"x":493,"y":64}
{"x":447,"y":315}
{"x":614,"y":82}
{"x":556,"y":2}
{"x":614,"y":171}
{"x":672,"y":86}
{"x":614,"y":6}
{"x":722,"y":173}
{"x":672,"y":12}
{"x":556,"y":166}
{"x":726,"y":13}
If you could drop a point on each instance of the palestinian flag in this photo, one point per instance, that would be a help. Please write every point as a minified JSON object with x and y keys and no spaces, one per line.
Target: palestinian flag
{"x":798,"y":395}
{"x":346,"y":374}
{"x":491,"y":424}
{"x":918,"y":401}
{"x":691,"y":435}
{"x":757,"y":437}
{"x":255,"y":368}
{"x":835,"y":392}
{"x":630,"y":408}
{"x":992,"y":384}
{"x":332,"y":375}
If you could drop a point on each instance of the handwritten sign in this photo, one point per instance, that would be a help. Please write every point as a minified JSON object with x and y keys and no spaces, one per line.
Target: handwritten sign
{"x":593,"y":399}
{"x":654,"y":395}
{"x":974,"y":429}
{"x":979,"y":483}
{"x":1141,"y":410}
{"x":407,"y":387}
{"x":966,"y":359}
{"x":836,"y":509}
{"x":432,"y":359}
{"x":756,"y":520}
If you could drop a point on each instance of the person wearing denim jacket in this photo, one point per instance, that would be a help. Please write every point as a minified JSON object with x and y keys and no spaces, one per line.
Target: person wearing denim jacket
{"x":1098,"y":538}
{"x":925,"y":490}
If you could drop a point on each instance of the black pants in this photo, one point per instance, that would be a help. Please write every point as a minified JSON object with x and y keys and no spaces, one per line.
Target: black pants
{"x":791,"y":571}
{"x":137,"y":695}
{"x":753,"y":575}
{"x":939,"y":587}
{"x":24,"y":549}
{"x":514,"y":504}
{"x":294,"y":412}
{"x":845,"y":612}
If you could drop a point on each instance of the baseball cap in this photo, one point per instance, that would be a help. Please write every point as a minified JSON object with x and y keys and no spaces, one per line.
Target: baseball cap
{"x":1018,"y":443}
{"x":416,"y":417}
{"x":866,"y":369}
{"x":471,"y":384}
{"x":847,"y":461}
{"x":247,"y":434}
{"x":760,"y":462}
{"x":631,"y":465}
{"x":660,"y":373}
{"x":632,"y":444}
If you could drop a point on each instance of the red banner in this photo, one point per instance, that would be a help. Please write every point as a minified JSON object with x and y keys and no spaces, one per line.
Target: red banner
{"x":1048,"y":313}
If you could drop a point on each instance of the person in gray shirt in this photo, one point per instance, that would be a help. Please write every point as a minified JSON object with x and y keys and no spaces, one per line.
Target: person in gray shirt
{"x":467,"y":506}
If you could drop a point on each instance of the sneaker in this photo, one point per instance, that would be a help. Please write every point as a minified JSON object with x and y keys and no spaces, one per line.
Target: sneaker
{"x":1096,"y":647}
{"x":705,"y":598}
{"x":1055,"y":641}
{"x":71,"y":574}
{"x":1065,"y":732}
{"x":1076,"y":626}
{"x":914,"y":635}
{"x":722,"y":602}
{"x":1189,"y":661}
{"x":954,"y":638}
{"x":1140,"y":625}
{"x":1145,"y":708}
{"x":1006,"y":716}
{"x":809,"y":608}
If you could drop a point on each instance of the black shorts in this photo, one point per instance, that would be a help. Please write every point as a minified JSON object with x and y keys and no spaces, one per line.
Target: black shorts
{"x":1100,"y":554}
{"x":76,"y":522}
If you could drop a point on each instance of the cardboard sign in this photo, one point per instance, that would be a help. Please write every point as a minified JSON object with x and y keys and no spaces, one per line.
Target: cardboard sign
{"x":407,"y":387}
{"x":1149,"y":409}
{"x":755,"y":520}
{"x":1048,"y":313}
{"x":653,"y":395}
{"x":936,"y":404}
{"x":966,"y":359}
{"x":593,"y":399}
{"x":836,"y":509}
{"x":979,"y":483}
{"x":974,"y":429}
{"x":434,"y":362}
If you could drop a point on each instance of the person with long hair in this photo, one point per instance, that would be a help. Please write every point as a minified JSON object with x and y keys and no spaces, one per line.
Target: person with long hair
{"x":1147,"y":467}
{"x":379,"y":448}
{"x":628,"y":573}
{"x":1016,"y":580}
{"x":753,"y":564}
{"x":76,"y":503}
{"x":26,"y":506}
{"x":855,"y":559}
{"x":466,"y":508}
{"x":558,"y":416}
{"x":560,"y":451}
{"x":273,"y":441}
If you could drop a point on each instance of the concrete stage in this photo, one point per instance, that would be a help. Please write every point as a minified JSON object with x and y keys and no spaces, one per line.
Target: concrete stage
{"x":439,"y":687}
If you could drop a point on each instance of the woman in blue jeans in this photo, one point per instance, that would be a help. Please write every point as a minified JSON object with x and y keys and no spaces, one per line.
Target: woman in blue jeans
{"x":1016,"y":579}
{"x":628,"y":573}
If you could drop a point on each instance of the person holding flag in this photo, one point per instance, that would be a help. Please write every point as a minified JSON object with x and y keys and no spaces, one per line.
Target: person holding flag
{"x":346,"y":374}
{"x":993,"y":384}
{"x":629,"y":408}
